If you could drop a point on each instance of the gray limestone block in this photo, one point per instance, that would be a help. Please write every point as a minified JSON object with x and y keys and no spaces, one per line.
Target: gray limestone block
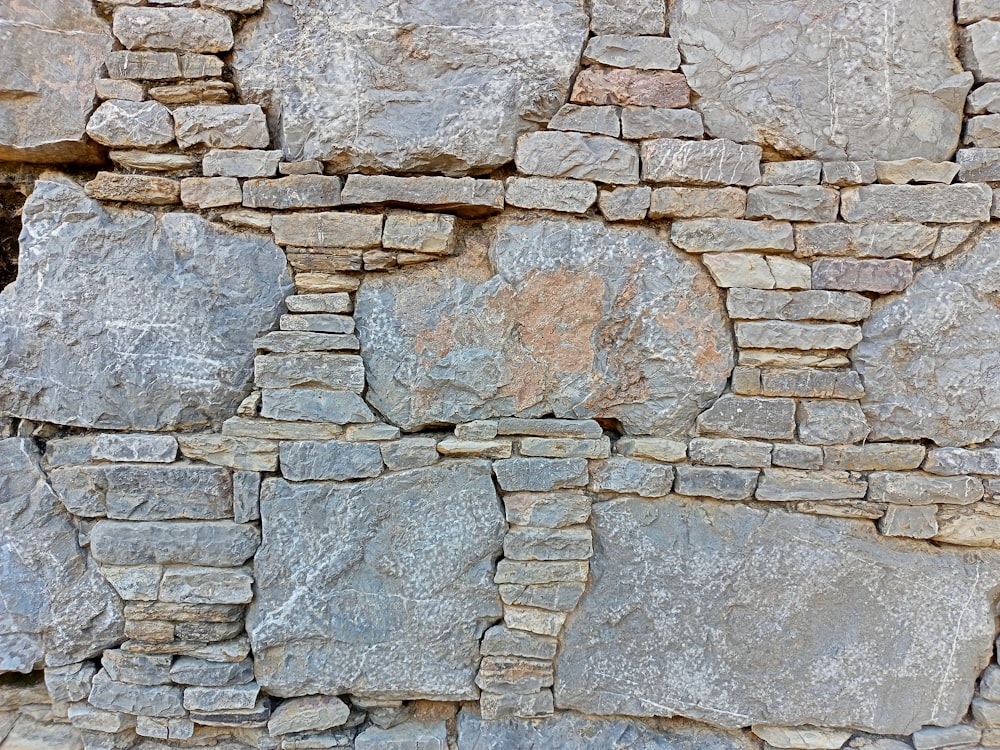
{"x":978,"y":164}
{"x":565,"y":447}
{"x":932,"y":738}
{"x":213,"y":543}
{"x":409,"y":453}
{"x":502,"y":641}
{"x":303,"y":460}
{"x":148,"y":700}
{"x":876,"y":240}
{"x":920,"y":203}
{"x":187,"y":670}
{"x":336,"y":302}
{"x":406,"y":565}
{"x":773,"y":102}
{"x":210,"y":192}
{"x":749,"y":417}
{"x":538,"y":543}
{"x":566,"y":280}
{"x":784,"y":485}
{"x":970,"y":11}
{"x":798,"y":172}
{"x":464,"y":195}
{"x":626,"y":51}
{"x":829,"y":422}
{"x":469,"y":83}
{"x":811,"y":383}
{"x":240,"y":163}
{"x":173,"y":28}
{"x":203,"y":585}
{"x":954,"y":461}
{"x":328,"y":229}
{"x":660,"y":122}
{"x":419,"y":232}
{"x":242,"y":453}
{"x":583,"y":157}
{"x":750,"y":454}
{"x":980,"y":49}
{"x":549,"y":428}
{"x":224,"y":698}
{"x":131,"y":124}
{"x":55,"y":608}
{"x":138,"y":669}
{"x":849,"y":173}
{"x":722,"y":483}
{"x":714,"y":163}
{"x":983,"y":99}
{"x":536,"y":571}
{"x":411,"y":735}
{"x":514,"y":674}
{"x":314,"y":405}
{"x":881,"y":276}
{"x":915,"y":169}
{"x":803,"y":591}
{"x":317,"y":323}
{"x":873,"y":457}
{"x":758,"y":304}
{"x":628,"y":16}
{"x":922,"y":369}
{"x":798,"y":456}
{"x":156,"y":66}
{"x":337,"y":371}
{"x":560,"y":596}
{"x":221,"y":126}
{"x":135,"y":448}
{"x":728,"y":235}
{"x":69,"y":683}
{"x":625,"y":203}
{"x":698,"y":203}
{"x":793,"y":203}
{"x":781,"y":334}
{"x":540,"y":474}
{"x":549,"y":509}
{"x":570,"y":196}
{"x":631,"y":476}
{"x":917,"y":488}
{"x":246,"y":496}
{"x":294,"y":191}
{"x":176,"y":276}
{"x":599,"y":120}
{"x":309,"y":714}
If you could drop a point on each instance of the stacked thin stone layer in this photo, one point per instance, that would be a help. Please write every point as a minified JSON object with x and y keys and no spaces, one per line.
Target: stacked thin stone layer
{"x":352,"y":439}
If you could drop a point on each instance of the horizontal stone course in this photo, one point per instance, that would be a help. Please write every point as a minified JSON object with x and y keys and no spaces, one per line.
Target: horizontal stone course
{"x":582,"y":157}
{"x":920,"y":203}
{"x":715,"y":163}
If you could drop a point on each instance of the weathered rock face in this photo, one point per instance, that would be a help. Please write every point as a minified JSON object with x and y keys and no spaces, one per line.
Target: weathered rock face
{"x":55,"y":608}
{"x":431,"y":85}
{"x":831,"y":80}
{"x":566,"y":316}
{"x":737,"y":616}
{"x":379,"y":588}
{"x":45,"y":99}
{"x":119,"y":319}
{"x":929,"y":356}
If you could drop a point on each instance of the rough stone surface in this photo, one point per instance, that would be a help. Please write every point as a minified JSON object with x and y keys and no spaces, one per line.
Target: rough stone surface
{"x":888,"y":86}
{"x":406,"y":564}
{"x":927,"y":374}
{"x":173,"y":28}
{"x":583,"y":157}
{"x":210,"y":543}
{"x":55,"y":609}
{"x":808,"y":605}
{"x":44,"y":100}
{"x":131,"y":124}
{"x":630,"y":87}
{"x":921,"y":203}
{"x":655,"y":374}
{"x":703,"y":163}
{"x":447,"y":88}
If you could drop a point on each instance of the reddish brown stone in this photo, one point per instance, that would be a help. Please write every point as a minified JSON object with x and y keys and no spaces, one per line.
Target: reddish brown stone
{"x":635,"y":87}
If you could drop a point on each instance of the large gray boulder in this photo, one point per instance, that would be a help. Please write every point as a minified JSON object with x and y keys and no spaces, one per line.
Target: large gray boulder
{"x":380,"y":588}
{"x":426,"y":85}
{"x":124,"y":320}
{"x":536,"y":316}
{"x":861,"y":80}
{"x":52,"y":52}
{"x":737,"y":616}
{"x":55,"y":608}
{"x":930,"y":355}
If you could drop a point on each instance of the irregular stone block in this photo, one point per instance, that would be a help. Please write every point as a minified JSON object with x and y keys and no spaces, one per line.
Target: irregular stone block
{"x":727,"y":235}
{"x":159,"y":449}
{"x":155,"y":66}
{"x":540,"y":474}
{"x":849,"y":173}
{"x":774,"y":103}
{"x":228,"y":698}
{"x":915,"y":488}
{"x":70,"y":683}
{"x":908,"y":338}
{"x":133,"y":188}
{"x":804,"y":587}
{"x":698,"y":203}
{"x":660,"y":122}
{"x":295,"y":342}
{"x":970,"y":11}
{"x":192,"y":371}
{"x":749,"y":417}
{"x":565,"y":447}
{"x":481,"y":448}
{"x":658,"y":449}
{"x":501,"y":641}
{"x":45,"y":100}
{"x":631,"y":476}
{"x":147,"y":700}
{"x":798,"y":172}
{"x":953,"y":461}
{"x":466,"y":196}
{"x":550,"y":509}
{"x":337,"y":371}
{"x":214,"y":543}
{"x":305,"y":459}
{"x":557,"y":597}
{"x":798,"y":456}
{"x":199,"y":585}
{"x":328,"y":229}
{"x":571,"y":196}
{"x":642,"y":52}
{"x":533,"y":543}
{"x":173,"y":28}
{"x":407,"y":736}
{"x":628,"y":16}
{"x":921,"y":203}
{"x":714,"y":163}
{"x":310,"y":714}
{"x":780,"y":334}
{"x":247,"y":454}
{"x":793,"y":203}
{"x":625,"y":203}
{"x":187,"y":670}
{"x":719,"y":483}
{"x":755,"y":304}
{"x":880,"y":276}
{"x":873,"y":457}
{"x":454,"y":103}
{"x":409,"y":453}
{"x":903,"y":171}
{"x":630,"y":87}
{"x":338,"y":302}
{"x":784,"y":485}
{"x":241,"y":163}
{"x":516,"y":571}
{"x":56,"y":608}
{"x":418,"y":232}
{"x":902,"y":239}
{"x":426,"y":612}
{"x":729,"y":452}
{"x":417,"y":318}
{"x":549,"y":428}
{"x":221,"y":126}
{"x":597,"y":120}
{"x":823,"y":422}
{"x":295,"y":191}
{"x":932,"y":738}
{"x":136,"y":583}
{"x":809,"y":383}
{"x":314,"y":405}
{"x":194,"y":92}
{"x":318,"y":322}
{"x":151,"y":162}
{"x":909,"y":521}
{"x":980,"y":50}
{"x":583,"y":157}
{"x":978,"y":164}
{"x":210,"y":192}
{"x":131,"y":124}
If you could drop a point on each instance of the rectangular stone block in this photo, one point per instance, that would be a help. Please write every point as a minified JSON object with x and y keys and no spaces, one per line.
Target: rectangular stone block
{"x":697,"y":203}
{"x":329,"y":229}
{"x":880,"y":276}
{"x":719,"y":483}
{"x":955,"y":461}
{"x":749,"y":417}
{"x":159,"y":700}
{"x":909,"y":521}
{"x":502,"y":641}
{"x":337,"y":302}
{"x":173,"y":28}
{"x":628,"y":16}
{"x":798,"y":172}
{"x":828,"y":422}
{"x":565,"y":447}
{"x":304,"y":460}
{"x":268,"y":429}
{"x":186,"y":670}
{"x":658,"y":449}
{"x":210,"y":192}
{"x":225,"y":698}
{"x":793,"y":203}
{"x":160,"y":66}
{"x":759,"y":304}
{"x":873,"y":457}
{"x":409,"y":453}
{"x":540,"y":474}
{"x":978,"y":164}
{"x":581,"y":157}
{"x":546,"y":193}
{"x":246,"y":496}
{"x":587,"y":119}
{"x":631,"y":476}
{"x":294,"y":191}
{"x":570,"y":428}
{"x":917,"y":488}
{"x":466,"y":196}
{"x":221,"y":126}
{"x":201,"y":585}
{"x":849,"y":173}
{"x":748,"y":454}
{"x":336,"y":371}
{"x":728,"y":235}
{"x":481,"y":448}
{"x":810,"y":383}
{"x":548,"y":509}
{"x":533,"y":543}
{"x":135,"y":448}
{"x":216,"y":543}
{"x":517,"y":571}
{"x":749,"y":270}
{"x":419,"y":232}
{"x":134,"y":188}
{"x":940,"y":204}
{"x":625,"y":203}
{"x":779,"y":334}
{"x":248,"y":454}
{"x":878,"y":240}
{"x":240,"y":163}
{"x":641,"y":123}
{"x":784,"y":485}
{"x":715,"y":163}
{"x":794,"y":456}
{"x":641,"y":52}
{"x":625,"y":87}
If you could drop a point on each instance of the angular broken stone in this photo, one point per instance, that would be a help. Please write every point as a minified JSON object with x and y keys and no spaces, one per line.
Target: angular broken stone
{"x":793,"y":203}
{"x":419,"y":232}
{"x":916,"y":522}
{"x":727,"y":235}
{"x":203,"y":585}
{"x":642,"y":52}
{"x":978,"y":164}
{"x":152,"y":162}
{"x":131,"y":124}
{"x":881,"y":276}
{"x":571,"y":196}
{"x":802,"y":738}
{"x":309,"y":714}
{"x":194,"y":92}
{"x":55,"y":608}
{"x":927,"y":375}
{"x":714,"y":163}
{"x":849,"y":173}
{"x":697,"y":203}
{"x":638,"y":88}
{"x":193,"y":371}
{"x":902,"y":239}
{"x":221,"y":126}
{"x":187,"y":670}
{"x":763,"y":85}
{"x":954,"y":461}
{"x":461,"y":367}
{"x":148,"y":700}
{"x":920,"y":203}
{"x":411,"y":734}
{"x":135,"y":448}
{"x":314,"y":405}
{"x":583,"y":157}
{"x":660,"y":122}
{"x":394,"y":621}
{"x":805,"y":593}
{"x":447,"y":89}
{"x":829,"y":422}
{"x":173,"y":28}
{"x":903,"y":171}
{"x":624,"y":203}
{"x":600,"y":120}
{"x":756,"y":304}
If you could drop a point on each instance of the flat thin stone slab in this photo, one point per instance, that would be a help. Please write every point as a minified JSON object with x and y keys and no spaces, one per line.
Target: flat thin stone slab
{"x":797,"y":76}
{"x":446,"y":87}
{"x":737,"y":616}
{"x":123,"y":320}
{"x":405,"y":567}
{"x":929,"y":354}
{"x":439,"y":343}
{"x":55,"y":608}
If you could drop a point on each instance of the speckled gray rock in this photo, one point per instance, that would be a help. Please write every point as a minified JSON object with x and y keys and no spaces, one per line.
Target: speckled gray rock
{"x":405,"y":564}
{"x":131,"y":124}
{"x":763,"y":85}
{"x":173,"y":28}
{"x":150,"y":333}
{"x":571,"y":731}
{"x":583,"y":157}
{"x":329,"y":459}
{"x":211,"y":543}
{"x":564,"y":282}
{"x":55,"y":608}
{"x":714,"y":163}
{"x":45,"y":100}
{"x":447,"y":88}
{"x":928,"y":374}
{"x":628,"y":16}
{"x":807,"y":604}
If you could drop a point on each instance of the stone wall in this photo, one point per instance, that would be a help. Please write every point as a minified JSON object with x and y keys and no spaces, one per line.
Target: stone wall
{"x":540,"y":374}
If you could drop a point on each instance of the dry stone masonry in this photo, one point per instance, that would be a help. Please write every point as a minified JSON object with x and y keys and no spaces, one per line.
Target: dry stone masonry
{"x":548,"y":374}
